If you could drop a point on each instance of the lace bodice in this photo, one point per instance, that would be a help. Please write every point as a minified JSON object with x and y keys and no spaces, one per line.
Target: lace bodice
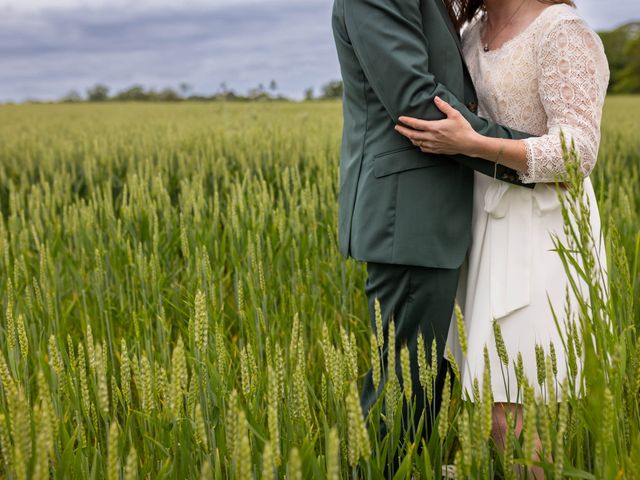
{"x":551,"y":77}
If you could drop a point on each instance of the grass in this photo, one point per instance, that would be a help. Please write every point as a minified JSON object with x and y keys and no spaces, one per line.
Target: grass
{"x":175,"y":305}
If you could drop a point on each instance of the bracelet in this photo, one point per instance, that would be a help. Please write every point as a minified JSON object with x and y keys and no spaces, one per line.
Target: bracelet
{"x":495,"y":165}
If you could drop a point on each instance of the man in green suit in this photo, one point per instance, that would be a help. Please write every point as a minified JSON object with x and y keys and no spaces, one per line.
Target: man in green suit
{"x":404,"y":212}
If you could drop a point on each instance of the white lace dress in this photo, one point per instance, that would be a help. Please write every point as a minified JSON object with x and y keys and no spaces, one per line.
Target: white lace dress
{"x":552,"y":76}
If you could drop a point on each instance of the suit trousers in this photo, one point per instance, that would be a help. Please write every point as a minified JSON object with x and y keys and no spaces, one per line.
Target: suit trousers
{"x":421,"y":301}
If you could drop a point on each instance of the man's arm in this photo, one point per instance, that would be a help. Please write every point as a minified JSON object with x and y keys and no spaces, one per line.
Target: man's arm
{"x":388,"y":39}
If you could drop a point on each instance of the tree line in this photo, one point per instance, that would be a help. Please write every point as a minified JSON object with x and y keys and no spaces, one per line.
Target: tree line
{"x":101,"y":93}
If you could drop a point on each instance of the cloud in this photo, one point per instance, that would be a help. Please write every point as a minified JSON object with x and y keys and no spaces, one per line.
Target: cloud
{"x":50,"y":47}
{"x":603,"y":15}
{"x":126,"y":5}
{"x":47,"y":53}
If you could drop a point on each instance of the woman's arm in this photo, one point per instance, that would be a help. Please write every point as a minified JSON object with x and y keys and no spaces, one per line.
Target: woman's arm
{"x":511,"y":153}
{"x":573,"y":77}
{"x":454,"y":135}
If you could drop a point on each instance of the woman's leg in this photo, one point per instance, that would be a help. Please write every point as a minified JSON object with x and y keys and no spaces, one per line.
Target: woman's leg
{"x":499,"y":431}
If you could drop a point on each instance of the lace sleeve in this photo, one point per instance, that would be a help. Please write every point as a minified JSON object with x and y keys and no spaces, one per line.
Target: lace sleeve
{"x":573,"y":76}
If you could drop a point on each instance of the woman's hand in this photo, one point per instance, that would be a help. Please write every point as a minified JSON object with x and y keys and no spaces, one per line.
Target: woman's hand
{"x":448,"y":136}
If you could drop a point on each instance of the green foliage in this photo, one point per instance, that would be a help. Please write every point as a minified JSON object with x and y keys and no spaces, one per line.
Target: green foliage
{"x":308,"y":93}
{"x":629,"y":77}
{"x":138,"y":93}
{"x":98,"y":93}
{"x":175,"y":307}
{"x":332,"y":90}
{"x":622,"y":47}
{"x":135,"y":93}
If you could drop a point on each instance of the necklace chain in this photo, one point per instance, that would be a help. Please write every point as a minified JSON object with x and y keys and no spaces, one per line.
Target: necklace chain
{"x":488,"y":42}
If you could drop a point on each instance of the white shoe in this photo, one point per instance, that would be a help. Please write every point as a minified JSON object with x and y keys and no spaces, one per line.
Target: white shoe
{"x":449,"y":472}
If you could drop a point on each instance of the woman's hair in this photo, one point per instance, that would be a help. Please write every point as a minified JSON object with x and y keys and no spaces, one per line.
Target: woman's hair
{"x":462,"y":11}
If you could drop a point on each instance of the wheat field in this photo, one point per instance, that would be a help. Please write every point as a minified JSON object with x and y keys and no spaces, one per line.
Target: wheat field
{"x":174,"y":306}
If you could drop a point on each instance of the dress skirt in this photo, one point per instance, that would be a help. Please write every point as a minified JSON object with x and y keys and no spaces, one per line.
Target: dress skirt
{"x":514,"y":275}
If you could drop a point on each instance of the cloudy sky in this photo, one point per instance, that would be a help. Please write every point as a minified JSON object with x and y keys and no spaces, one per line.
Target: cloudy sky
{"x":49,"y":47}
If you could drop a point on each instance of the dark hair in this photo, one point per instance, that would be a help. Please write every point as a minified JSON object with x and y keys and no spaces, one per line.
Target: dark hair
{"x":463,"y":11}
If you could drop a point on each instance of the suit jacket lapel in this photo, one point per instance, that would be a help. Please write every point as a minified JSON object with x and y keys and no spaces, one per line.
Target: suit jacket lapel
{"x":456,"y":35}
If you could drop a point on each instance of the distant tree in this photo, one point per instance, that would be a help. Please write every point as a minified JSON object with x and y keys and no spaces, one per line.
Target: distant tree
{"x":134,"y":93}
{"x":168,"y":95}
{"x":332,"y":90}
{"x":98,"y":93}
{"x":273,"y":86}
{"x":258,"y":93}
{"x":308,"y":93}
{"x":621,"y":47}
{"x":628,"y":80}
{"x":72,"y":96}
{"x":231,"y":95}
{"x":185,"y":88}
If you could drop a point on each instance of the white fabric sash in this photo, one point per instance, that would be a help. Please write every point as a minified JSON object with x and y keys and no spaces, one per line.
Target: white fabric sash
{"x":511,"y":211}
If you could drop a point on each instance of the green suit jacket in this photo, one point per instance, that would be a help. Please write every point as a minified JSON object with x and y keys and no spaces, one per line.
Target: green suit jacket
{"x":396,"y":204}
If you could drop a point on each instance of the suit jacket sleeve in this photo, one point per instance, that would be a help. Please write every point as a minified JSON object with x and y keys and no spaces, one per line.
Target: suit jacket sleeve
{"x":391,"y":47}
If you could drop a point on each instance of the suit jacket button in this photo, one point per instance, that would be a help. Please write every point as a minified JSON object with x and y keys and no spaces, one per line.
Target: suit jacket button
{"x":473,"y":107}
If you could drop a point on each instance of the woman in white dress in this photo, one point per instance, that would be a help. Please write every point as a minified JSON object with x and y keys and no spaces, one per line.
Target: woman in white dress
{"x":539,"y":68}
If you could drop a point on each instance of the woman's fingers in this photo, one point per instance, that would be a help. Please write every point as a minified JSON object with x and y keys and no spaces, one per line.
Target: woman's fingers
{"x":444,"y":107}
{"x":409,"y":133}
{"x":423,"y":140}
{"x":415,"y":123}
{"x":416,"y":134}
{"x":428,"y":147}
